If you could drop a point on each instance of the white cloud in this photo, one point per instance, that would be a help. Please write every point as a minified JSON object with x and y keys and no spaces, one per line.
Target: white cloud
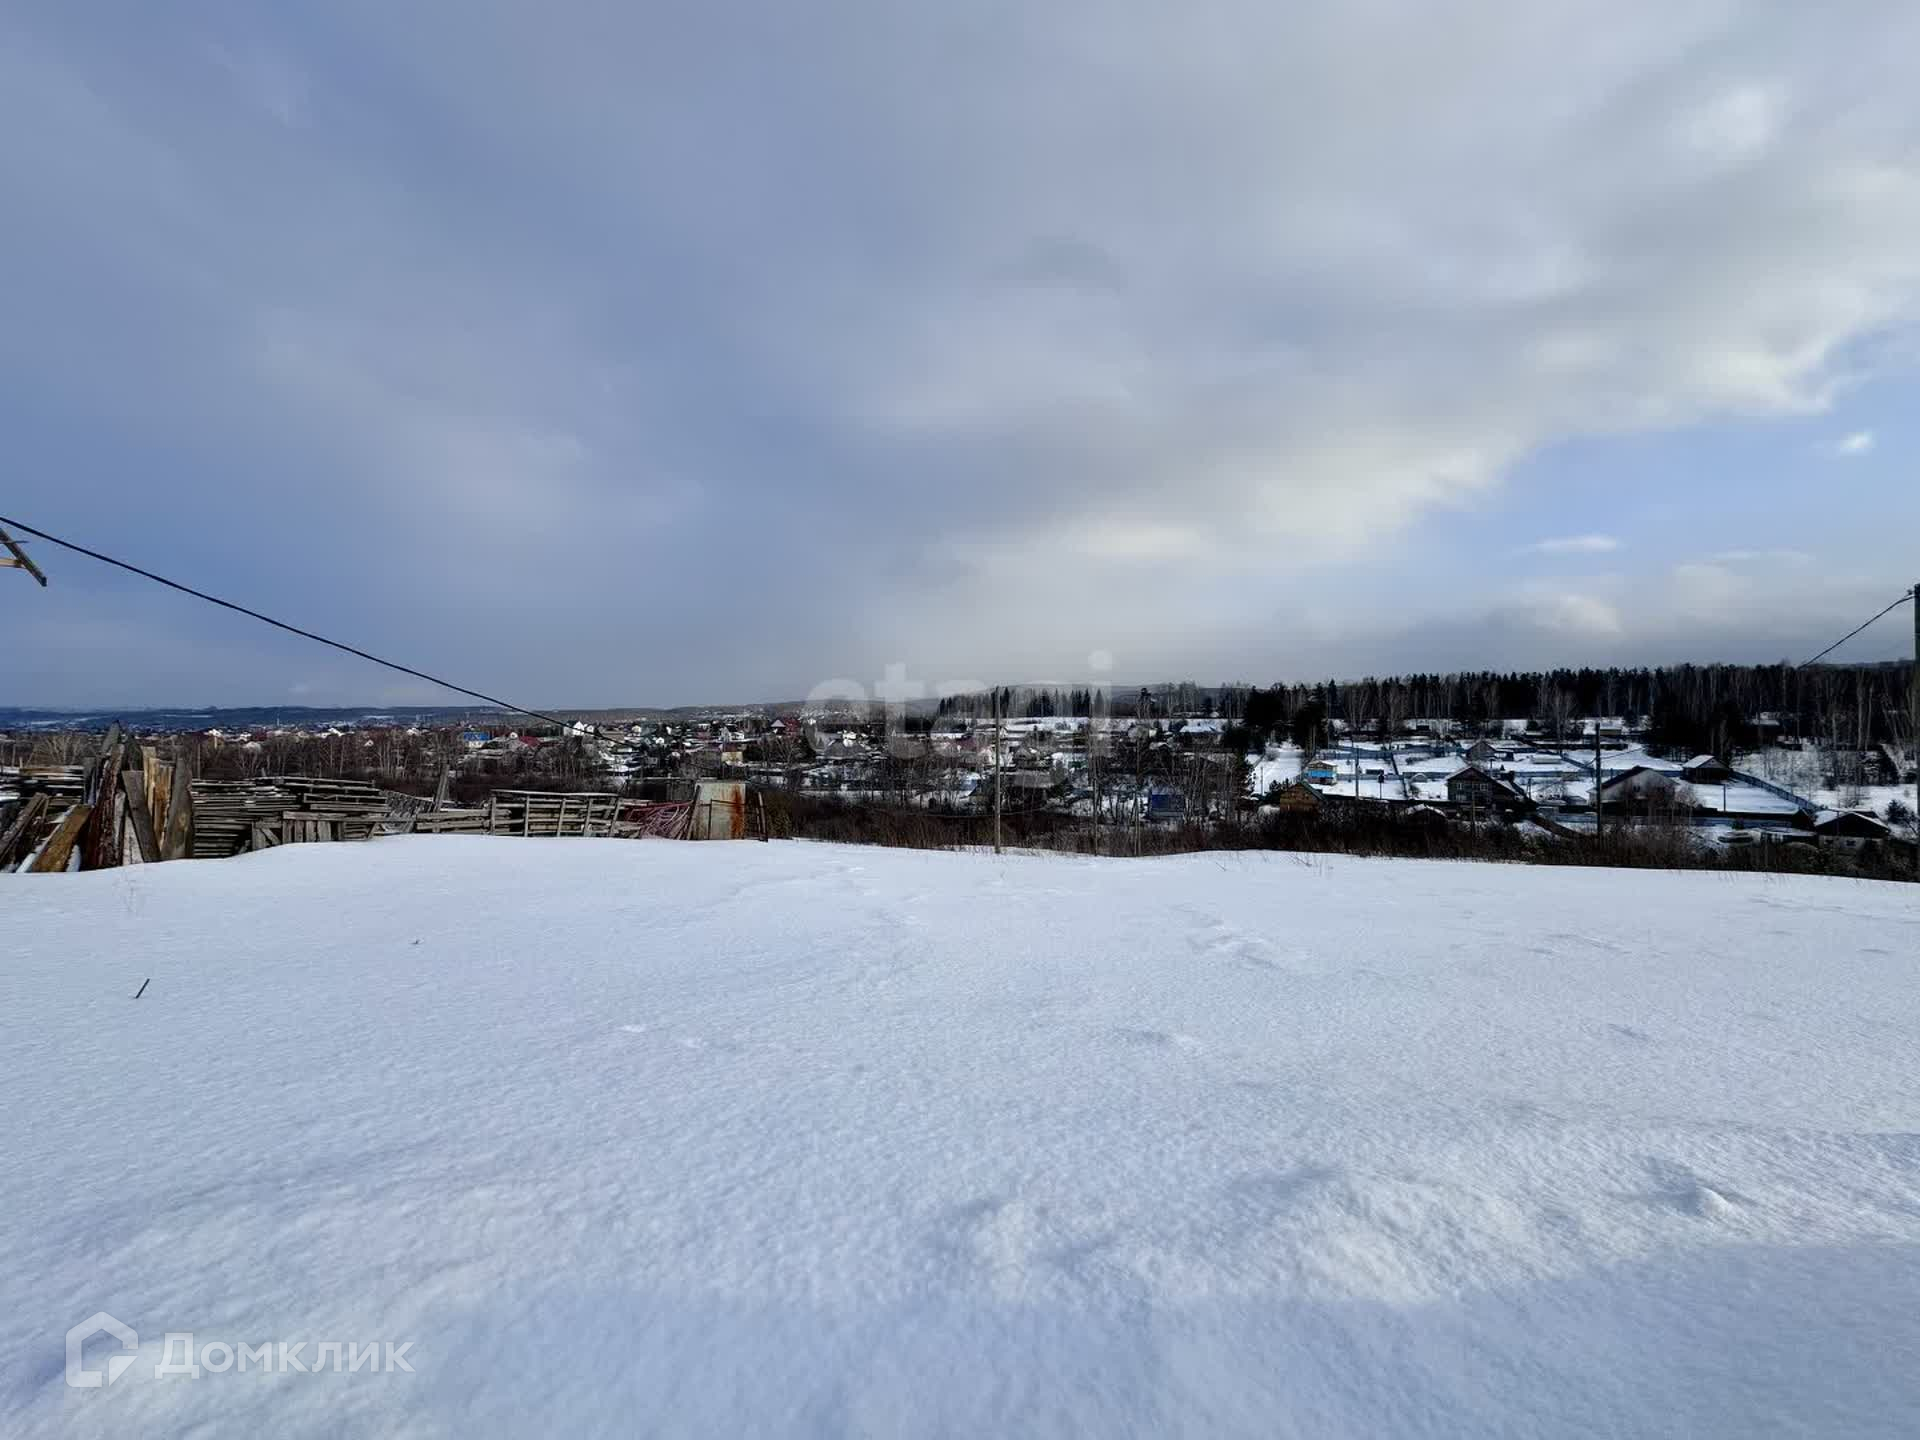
{"x":1576,"y":545}
{"x":1858,"y":443}
{"x":1777,"y":556}
{"x":1699,"y":611}
{"x":1584,"y":614}
{"x":1119,"y":540}
{"x":1706,"y":592}
{"x":1737,"y":124}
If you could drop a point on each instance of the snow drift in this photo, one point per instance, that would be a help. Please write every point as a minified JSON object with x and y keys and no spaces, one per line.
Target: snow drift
{"x":636,"y":1137}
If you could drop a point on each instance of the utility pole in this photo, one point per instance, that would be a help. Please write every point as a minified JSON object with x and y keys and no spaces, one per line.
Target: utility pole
{"x":1093,"y":761}
{"x":996,"y":769}
{"x":1598,"y":781}
{"x":16,"y":559}
{"x":1139,"y":788}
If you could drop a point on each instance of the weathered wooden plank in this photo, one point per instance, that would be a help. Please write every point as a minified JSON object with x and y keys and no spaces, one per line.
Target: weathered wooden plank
{"x":53,"y":856}
{"x":15,"y":840}
{"x":139,"y":816}
{"x":177,"y":840}
{"x":445,"y":821}
{"x":100,"y":847}
{"x":159,"y":782}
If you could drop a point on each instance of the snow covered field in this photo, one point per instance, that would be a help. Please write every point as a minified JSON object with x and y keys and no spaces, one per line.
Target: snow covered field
{"x":641,"y":1137}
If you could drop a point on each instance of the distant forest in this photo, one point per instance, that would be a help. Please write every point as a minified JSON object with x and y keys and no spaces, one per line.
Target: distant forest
{"x":1715,"y":708}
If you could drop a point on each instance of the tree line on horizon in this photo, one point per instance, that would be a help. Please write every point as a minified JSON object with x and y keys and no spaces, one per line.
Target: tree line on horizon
{"x":1706,"y":708}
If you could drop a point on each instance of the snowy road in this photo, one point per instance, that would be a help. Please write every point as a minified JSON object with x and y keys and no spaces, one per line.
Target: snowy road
{"x":643,"y":1137}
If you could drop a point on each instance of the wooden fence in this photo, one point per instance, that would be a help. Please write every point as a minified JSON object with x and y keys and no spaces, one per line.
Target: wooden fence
{"x":555,"y":814}
{"x":130,"y":806}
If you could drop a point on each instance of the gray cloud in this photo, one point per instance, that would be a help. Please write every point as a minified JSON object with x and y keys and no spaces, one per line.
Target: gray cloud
{"x":608,"y":352}
{"x":1575,"y":545}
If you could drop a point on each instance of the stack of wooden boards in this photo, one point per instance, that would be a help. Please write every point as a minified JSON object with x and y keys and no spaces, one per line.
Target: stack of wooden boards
{"x":244,"y":815}
{"x":129,"y":806}
{"x":225,"y":812}
{"x":42,"y":811}
{"x":116,"y":808}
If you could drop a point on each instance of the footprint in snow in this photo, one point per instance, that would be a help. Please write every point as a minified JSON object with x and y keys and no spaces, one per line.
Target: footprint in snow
{"x":1214,"y":939}
{"x":694,"y":1043}
{"x":1007,"y":1243}
{"x":1706,"y":1203}
{"x":1155,"y":1039}
{"x":1680,"y":1189}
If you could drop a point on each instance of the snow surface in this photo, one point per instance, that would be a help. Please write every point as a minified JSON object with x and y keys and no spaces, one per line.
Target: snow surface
{"x":646,"y":1137}
{"x":1284,"y":766}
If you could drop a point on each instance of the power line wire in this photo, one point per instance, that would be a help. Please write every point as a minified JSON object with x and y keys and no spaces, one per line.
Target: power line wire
{"x":283,"y":625}
{"x":1904,"y":598}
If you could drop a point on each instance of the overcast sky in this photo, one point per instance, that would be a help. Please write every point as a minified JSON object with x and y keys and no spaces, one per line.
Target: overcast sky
{"x":600,"y":353}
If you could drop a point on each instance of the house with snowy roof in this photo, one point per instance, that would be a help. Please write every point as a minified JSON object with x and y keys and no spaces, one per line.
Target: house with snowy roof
{"x":1640,"y":786}
{"x":1477,"y":789}
{"x":1707,"y":770}
{"x":1849,"y":829}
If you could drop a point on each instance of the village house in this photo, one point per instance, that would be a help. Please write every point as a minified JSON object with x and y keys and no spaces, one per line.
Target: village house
{"x":1293,"y":798}
{"x":1019,"y":789}
{"x":1165,"y":802}
{"x":1641,"y":788}
{"x":1849,"y":829}
{"x":1484,"y":792}
{"x":1707,"y":770}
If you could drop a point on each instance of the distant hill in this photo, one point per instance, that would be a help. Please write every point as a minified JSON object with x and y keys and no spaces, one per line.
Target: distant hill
{"x":246,"y":717}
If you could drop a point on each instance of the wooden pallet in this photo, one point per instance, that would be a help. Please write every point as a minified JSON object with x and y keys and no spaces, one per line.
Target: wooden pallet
{"x":225,"y":811}
{"x":552,"y":813}
{"x":294,"y":827}
{"x":451,"y":822}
